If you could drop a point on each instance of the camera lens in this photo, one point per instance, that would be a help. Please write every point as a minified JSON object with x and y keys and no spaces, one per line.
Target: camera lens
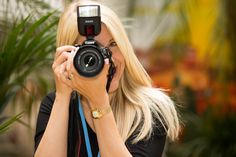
{"x":88,"y":61}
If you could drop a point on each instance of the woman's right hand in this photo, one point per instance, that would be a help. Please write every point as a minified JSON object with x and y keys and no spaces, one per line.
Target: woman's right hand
{"x":61,"y":76}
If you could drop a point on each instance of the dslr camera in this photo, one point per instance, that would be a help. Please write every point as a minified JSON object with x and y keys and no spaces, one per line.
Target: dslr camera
{"x":89,"y":58}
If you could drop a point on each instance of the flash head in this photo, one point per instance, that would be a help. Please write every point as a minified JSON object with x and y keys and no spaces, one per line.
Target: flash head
{"x":89,"y":20}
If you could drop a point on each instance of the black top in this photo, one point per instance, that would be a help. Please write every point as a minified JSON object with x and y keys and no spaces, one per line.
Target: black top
{"x":152,"y":147}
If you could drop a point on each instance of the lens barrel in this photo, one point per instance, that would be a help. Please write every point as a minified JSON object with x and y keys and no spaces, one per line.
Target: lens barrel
{"x":89,"y":60}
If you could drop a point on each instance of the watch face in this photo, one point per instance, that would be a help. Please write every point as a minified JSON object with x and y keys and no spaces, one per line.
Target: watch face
{"x":96,"y":114}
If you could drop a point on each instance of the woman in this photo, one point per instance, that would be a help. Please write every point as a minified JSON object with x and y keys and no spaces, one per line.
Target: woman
{"x":136,"y":118}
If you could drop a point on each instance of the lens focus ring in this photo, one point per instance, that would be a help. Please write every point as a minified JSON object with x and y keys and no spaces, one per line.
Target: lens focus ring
{"x":88,"y":61}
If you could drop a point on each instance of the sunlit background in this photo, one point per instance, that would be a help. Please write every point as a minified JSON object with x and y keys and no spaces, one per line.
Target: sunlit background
{"x":187,"y":46}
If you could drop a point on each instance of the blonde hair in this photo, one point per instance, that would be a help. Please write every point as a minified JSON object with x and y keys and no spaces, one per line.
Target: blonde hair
{"x":135,"y":103}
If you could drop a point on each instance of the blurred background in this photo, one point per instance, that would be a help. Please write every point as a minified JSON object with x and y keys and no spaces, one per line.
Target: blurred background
{"x":187,"y":46}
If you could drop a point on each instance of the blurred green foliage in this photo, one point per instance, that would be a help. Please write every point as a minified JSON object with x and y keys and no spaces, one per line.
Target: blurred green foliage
{"x":27,"y":39}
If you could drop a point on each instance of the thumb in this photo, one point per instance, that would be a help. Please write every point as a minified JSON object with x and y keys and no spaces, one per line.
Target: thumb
{"x":106,"y":67}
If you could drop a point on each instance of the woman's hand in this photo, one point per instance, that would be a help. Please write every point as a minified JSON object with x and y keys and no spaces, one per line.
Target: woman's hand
{"x":93,"y":88}
{"x":61,"y":76}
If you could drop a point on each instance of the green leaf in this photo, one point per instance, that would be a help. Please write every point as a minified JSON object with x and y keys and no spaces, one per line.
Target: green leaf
{"x":4,"y":126}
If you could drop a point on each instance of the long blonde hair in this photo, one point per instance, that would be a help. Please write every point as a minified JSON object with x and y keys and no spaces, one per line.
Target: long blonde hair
{"x":135,"y":103}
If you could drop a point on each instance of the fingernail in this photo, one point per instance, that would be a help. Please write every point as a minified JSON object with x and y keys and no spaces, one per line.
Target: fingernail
{"x":74,"y":52}
{"x":106,"y":61}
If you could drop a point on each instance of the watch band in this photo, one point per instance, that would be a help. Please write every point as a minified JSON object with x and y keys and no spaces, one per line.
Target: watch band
{"x":99,"y":112}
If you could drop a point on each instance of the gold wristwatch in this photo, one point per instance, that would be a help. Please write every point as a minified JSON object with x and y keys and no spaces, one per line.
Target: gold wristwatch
{"x":98,"y":113}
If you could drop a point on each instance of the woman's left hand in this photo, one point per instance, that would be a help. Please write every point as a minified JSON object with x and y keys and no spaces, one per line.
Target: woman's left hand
{"x":93,"y":88}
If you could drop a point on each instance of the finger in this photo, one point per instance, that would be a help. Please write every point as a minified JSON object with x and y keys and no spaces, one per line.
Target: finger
{"x":64,"y":75}
{"x":62,"y":69}
{"x":70,"y":60}
{"x":74,"y":52}
{"x":61,"y":49}
{"x":61,"y":59}
{"x":57,"y":72}
{"x":66,"y":78}
{"x":106,"y":67}
{"x":61,"y":74}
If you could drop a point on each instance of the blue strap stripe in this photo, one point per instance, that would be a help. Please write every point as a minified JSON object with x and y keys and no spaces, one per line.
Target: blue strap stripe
{"x":85,"y":130}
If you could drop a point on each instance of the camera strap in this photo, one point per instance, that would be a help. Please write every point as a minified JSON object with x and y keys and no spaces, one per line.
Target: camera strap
{"x":85,"y":130}
{"x":110,"y":75}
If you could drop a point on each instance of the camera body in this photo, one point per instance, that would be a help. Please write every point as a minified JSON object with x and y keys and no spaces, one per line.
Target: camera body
{"x":89,"y":58}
